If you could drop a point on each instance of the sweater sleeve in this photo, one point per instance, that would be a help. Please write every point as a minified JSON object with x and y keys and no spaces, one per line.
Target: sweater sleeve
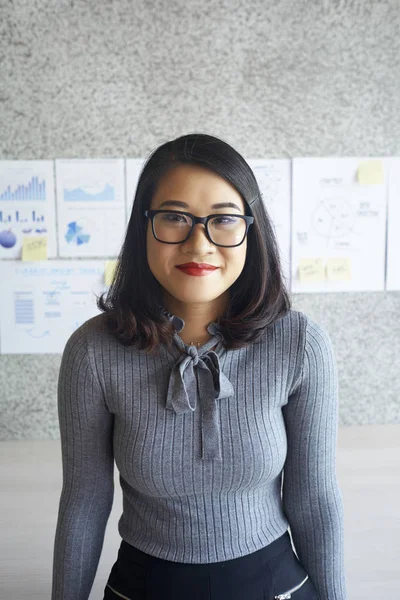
{"x":86,"y":429}
{"x":311,"y":497}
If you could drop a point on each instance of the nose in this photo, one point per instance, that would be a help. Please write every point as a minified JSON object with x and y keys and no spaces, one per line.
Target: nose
{"x":198,"y":238}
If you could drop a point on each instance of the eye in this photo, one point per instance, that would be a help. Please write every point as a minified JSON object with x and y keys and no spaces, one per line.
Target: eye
{"x":173,"y":217}
{"x":225,"y":220}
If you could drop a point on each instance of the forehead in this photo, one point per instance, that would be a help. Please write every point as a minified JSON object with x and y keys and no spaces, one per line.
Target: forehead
{"x":195,"y":186}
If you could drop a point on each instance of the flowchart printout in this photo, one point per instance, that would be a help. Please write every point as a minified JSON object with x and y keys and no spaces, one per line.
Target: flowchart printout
{"x":274,"y":180}
{"x":27,"y":205}
{"x":339,"y":224}
{"x":393,"y":242}
{"x":133,"y":170}
{"x":91,"y":207}
{"x":43,"y":302}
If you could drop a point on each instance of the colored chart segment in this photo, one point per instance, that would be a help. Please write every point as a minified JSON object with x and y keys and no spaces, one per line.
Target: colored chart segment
{"x":75,"y":234}
{"x":106,"y":194}
{"x":34,"y":190}
{"x":23,"y":308}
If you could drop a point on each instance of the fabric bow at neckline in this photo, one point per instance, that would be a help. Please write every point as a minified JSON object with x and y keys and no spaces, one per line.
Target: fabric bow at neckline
{"x":197,"y":372}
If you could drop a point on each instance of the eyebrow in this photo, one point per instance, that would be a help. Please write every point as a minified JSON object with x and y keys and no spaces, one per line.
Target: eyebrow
{"x":185,"y":205}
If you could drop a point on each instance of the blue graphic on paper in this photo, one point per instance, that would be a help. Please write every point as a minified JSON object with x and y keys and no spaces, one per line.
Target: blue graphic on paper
{"x":8,"y":239}
{"x":24,"y":308}
{"x":37,"y":333}
{"x":75,"y":234}
{"x":35,"y":190}
{"x":107,"y":194}
{"x":18,"y":216}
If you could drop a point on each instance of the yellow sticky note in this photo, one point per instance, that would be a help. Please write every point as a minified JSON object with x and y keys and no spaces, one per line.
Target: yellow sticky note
{"x":370,"y":173}
{"x":338,"y":269}
{"x":34,"y":247}
{"x":311,"y":269}
{"x":109,"y":271}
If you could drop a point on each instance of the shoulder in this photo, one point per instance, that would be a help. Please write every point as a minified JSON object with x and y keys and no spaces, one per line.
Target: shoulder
{"x":290,"y":328}
{"x":302,"y":338}
{"x":89,"y":346}
{"x":91,"y":335}
{"x":307,"y":346}
{"x":300,"y":324}
{"x":314,"y":343}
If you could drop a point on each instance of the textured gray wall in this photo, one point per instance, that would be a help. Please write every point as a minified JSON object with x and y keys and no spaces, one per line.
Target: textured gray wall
{"x":118,"y":77}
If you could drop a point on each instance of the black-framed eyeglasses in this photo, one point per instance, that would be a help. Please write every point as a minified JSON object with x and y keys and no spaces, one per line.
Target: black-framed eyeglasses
{"x":175,"y":227}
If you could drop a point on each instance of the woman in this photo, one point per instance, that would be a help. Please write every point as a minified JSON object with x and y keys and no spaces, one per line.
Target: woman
{"x":217,"y":401}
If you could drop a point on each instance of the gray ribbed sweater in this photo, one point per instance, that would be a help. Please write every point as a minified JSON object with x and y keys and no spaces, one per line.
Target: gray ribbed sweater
{"x":201,"y":438}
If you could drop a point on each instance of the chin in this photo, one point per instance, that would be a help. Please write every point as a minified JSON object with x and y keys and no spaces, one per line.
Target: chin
{"x":194,"y":294}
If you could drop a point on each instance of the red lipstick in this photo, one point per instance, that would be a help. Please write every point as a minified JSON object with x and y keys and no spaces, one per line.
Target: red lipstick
{"x":196,"y":269}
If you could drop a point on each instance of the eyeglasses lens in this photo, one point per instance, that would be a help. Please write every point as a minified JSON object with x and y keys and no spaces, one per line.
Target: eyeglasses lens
{"x":226,"y":230}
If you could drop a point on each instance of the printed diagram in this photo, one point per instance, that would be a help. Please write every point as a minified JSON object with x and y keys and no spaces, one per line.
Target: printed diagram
{"x":96,"y":191}
{"x":8,"y":239}
{"x":34,"y":190}
{"x":269,"y":181}
{"x":37,"y":332}
{"x":25,"y":314}
{"x":16,"y":195}
{"x":75,"y":234}
{"x":332,"y":218}
{"x":91,"y":210}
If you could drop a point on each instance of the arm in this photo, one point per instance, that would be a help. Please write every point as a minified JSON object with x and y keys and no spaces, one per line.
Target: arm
{"x":86,"y":428}
{"x":311,"y":498}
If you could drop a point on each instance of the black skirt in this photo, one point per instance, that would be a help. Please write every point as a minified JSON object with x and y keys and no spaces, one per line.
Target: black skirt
{"x":267,"y":574}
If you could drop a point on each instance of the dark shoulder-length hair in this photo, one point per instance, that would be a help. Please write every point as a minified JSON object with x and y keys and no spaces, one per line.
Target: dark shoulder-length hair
{"x":258,"y":297}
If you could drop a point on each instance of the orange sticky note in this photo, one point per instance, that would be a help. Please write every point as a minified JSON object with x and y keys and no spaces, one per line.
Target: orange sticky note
{"x":370,"y":173}
{"x":311,"y":269}
{"x":34,"y":247}
{"x":109,"y":271}
{"x":338,"y":269}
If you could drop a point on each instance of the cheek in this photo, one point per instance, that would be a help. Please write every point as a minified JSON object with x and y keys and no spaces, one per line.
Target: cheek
{"x":238,"y":258}
{"x":159,"y":256}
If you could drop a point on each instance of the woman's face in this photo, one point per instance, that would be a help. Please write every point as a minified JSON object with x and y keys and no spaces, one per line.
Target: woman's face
{"x":199,"y":189}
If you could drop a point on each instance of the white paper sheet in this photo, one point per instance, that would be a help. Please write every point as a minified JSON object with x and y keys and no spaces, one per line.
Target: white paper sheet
{"x":339,"y":222}
{"x":43,"y":302}
{"x":393,"y":242}
{"x":133,"y":169}
{"x":274,"y":180}
{"x":91,"y":207}
{"x":27,"y":205}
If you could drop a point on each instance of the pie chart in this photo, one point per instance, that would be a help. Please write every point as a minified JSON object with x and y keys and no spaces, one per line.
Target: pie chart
{"x":76,"y":235}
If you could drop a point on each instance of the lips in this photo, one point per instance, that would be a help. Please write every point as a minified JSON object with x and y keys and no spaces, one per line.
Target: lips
{"x":202,"y":266}
{"x":197,"y":270}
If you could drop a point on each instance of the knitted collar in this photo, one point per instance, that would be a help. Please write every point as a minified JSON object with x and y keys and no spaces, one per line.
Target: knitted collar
{"x":178,"y":323}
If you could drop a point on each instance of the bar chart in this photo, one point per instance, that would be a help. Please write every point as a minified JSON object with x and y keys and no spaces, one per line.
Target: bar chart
{"x":35,"y":190}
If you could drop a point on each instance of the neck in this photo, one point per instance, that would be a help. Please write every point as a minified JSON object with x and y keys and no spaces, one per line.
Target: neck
{"x":197,"y":316}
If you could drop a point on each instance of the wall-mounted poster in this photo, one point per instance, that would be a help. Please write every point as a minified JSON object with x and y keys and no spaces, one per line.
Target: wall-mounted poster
{"x":274,"y":180}
{"x":339,"y":224}
{"x":27,"y":206}
{"x":90,"y":206}
{"x":43,"y":302}
{"x":393,"y":238}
